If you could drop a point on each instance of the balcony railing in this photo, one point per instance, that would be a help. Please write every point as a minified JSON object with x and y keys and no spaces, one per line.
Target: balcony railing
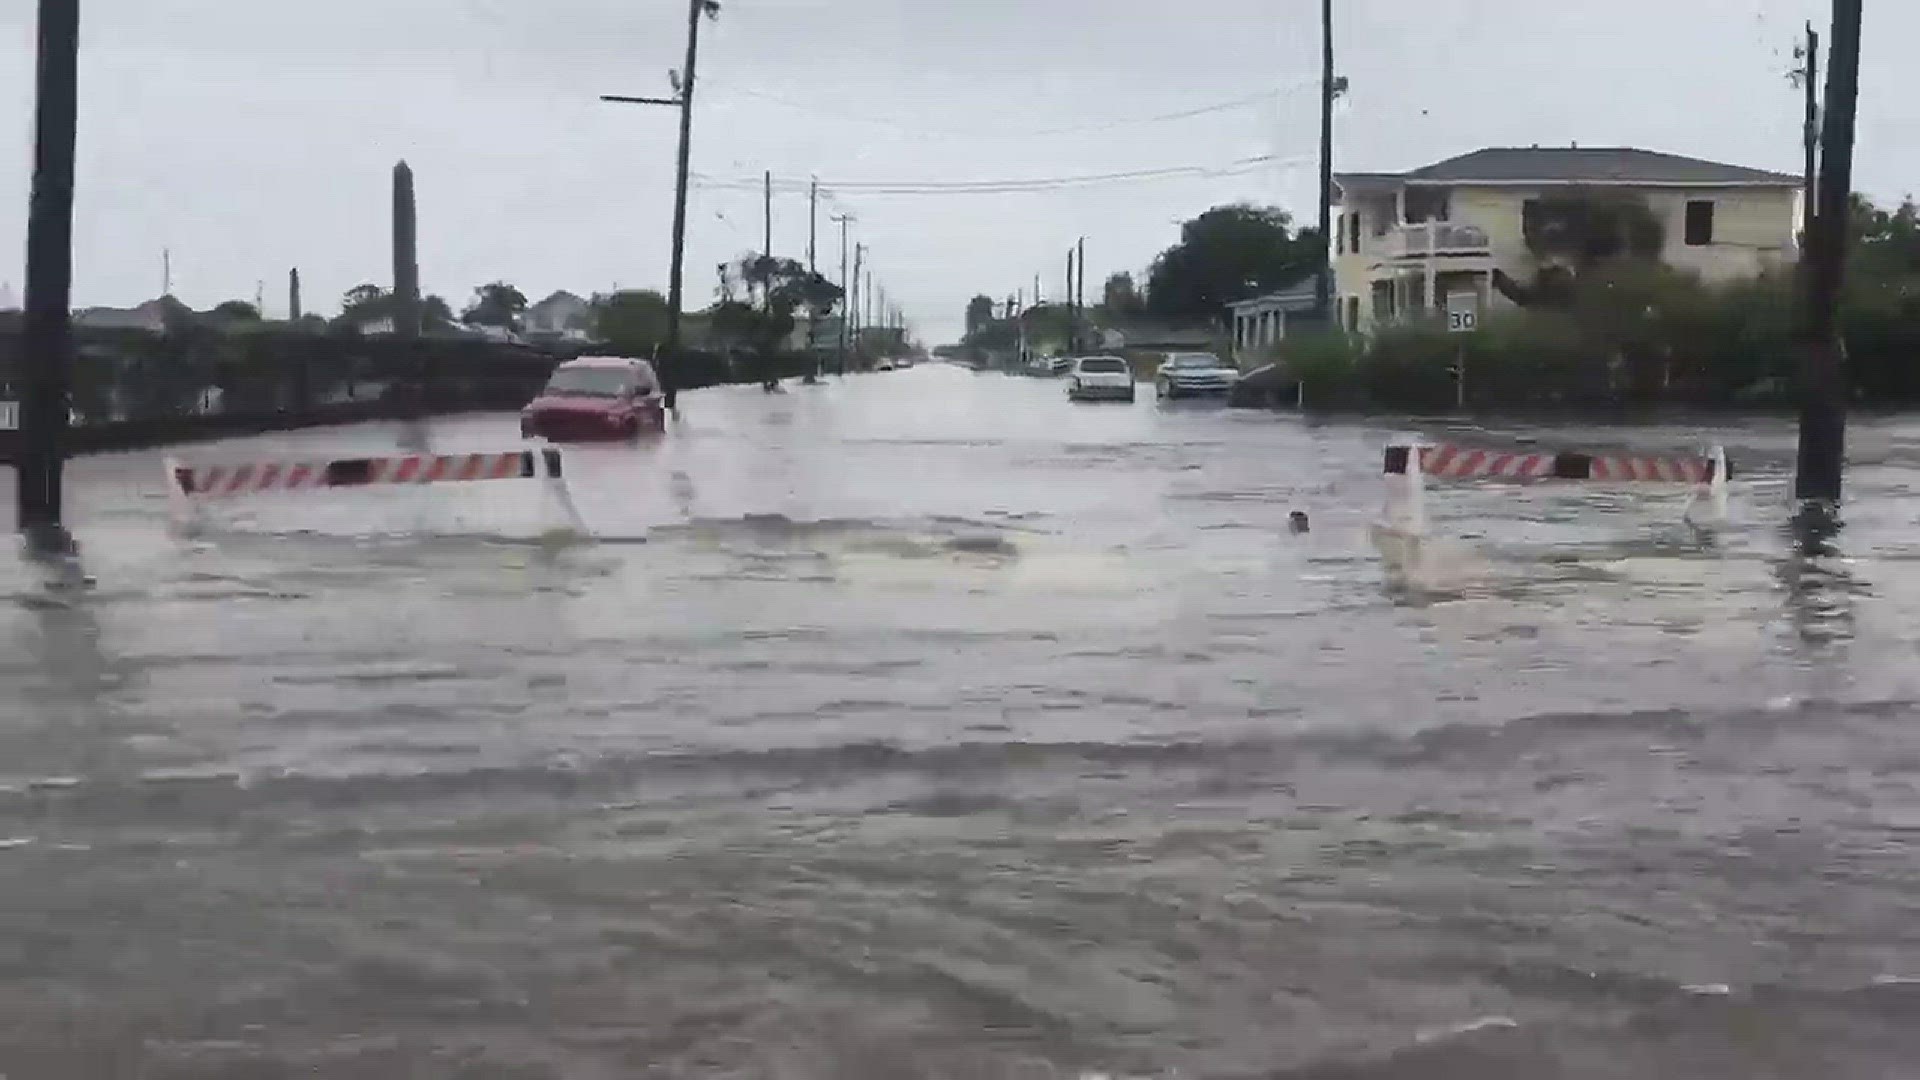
{"x":1433,"y":238}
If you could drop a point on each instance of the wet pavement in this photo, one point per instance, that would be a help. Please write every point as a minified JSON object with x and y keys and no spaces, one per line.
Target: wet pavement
{"x":926,"y":725}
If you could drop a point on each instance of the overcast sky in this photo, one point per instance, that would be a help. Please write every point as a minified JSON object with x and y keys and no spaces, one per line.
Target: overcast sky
{"x":249,"y":136}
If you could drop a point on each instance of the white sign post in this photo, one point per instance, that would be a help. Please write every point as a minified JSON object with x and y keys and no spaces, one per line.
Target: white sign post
{"x":1463,"y":316}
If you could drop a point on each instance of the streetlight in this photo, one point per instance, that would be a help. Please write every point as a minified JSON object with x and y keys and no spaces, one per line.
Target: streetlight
{"x":683,"y":82}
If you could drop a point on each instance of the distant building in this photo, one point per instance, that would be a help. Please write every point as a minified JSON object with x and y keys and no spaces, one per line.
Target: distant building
{"x":1260,"y":322}
{"x":1405,"y":242}
{"x":560,"y":317}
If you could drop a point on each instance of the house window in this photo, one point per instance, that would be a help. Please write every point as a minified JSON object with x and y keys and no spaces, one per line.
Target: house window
{"x":1340,"y":236}
{"x":1353,"y":313}
{"x":1699,"y":223}
{"x":1354,"y":241}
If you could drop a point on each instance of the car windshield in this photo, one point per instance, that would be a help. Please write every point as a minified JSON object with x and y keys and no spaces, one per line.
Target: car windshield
{"x":1192,"y":361}
{"x":1103,"y":365}
{"x":590,"y":381}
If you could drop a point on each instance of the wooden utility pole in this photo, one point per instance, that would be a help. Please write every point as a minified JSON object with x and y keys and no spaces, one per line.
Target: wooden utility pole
{"x":846,"y":292}
{"x":1811,"y":135}
{"x":1068,"y":302}
{"x":683,"y":85}
{"x":1079,"y":291}
{"x":1323,"y":280}
{"x":853,"y":311}
{"x":766,"y":247}
{"x":47,"y":348}
{"x":675,"y":277}
{"x":1823,"y":376}
{"x":813,"y":223}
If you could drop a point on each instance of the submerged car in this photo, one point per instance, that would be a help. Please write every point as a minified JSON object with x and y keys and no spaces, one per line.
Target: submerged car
{"x":1195,"y":374}
{"x":1100,"y":378}
{"x":594,"y":398}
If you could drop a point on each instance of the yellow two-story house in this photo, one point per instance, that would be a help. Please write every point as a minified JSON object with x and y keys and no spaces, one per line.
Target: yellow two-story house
{"x":1406,"y":244}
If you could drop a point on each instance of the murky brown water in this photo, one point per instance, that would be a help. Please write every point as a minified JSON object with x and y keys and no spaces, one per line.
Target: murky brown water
{"x":927,"y":725}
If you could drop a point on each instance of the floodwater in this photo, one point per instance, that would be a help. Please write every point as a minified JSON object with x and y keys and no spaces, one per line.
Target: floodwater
{"x":926,"y":725}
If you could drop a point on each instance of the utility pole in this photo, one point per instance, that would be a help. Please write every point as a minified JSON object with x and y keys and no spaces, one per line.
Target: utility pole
{"x":813,"y":223}
{"x":859,"y":259}
{"x":47,"y":345}
{"x":1323,"y":280}
{"x":1067,"y":300}
{"x":766,"y":248}
{"x":1809,"y":77}
{"x":1080,"y":294}
{"x":1823,"y":377}
{"x":846,"y":293}
{"x":293,"y":295}
{"x":683,"y":85}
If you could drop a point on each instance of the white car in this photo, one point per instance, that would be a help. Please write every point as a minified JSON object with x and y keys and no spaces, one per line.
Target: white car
{"x":1096,"y":378}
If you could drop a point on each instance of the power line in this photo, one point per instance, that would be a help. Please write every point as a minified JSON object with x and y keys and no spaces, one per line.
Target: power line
{"x":1005,"y":186}
{"x":921,"y":131}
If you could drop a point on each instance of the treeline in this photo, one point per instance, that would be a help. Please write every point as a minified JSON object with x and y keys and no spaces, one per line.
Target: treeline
{"x":1226,"y":254}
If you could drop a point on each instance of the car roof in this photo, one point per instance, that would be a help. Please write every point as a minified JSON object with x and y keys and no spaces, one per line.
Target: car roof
{"x":1103,"y":356}
{"x":606,"y":362}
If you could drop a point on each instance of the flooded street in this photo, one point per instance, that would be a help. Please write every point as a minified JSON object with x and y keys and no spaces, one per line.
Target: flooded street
{"x":926,"y":725}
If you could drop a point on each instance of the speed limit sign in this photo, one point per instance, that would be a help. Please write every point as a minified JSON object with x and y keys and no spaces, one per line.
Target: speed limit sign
{"x":1463,"y":312}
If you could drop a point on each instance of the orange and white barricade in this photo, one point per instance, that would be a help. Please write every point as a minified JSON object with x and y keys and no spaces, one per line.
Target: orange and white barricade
{"x":191,"y":486}
{"x":1408,"y":464}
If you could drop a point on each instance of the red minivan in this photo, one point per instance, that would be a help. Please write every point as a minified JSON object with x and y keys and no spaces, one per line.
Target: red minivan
{"x":596,"y":397}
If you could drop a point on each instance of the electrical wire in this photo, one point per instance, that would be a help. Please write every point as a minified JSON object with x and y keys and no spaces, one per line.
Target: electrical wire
{"x":921,"y":131}
{"x":996,"y":187}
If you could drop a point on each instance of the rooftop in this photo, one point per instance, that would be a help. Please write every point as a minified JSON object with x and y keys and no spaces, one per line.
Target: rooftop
{"x":1569,"y":165}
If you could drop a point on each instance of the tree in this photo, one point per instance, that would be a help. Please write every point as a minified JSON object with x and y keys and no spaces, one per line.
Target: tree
{"x":632,"y":320}
{"x":497,"y":304}
{"x":436,"y":313}
{"x":235,"y":311}
{"x":979,"y":313}
{"x":1885,"y":241}
{"x":783,"y":287}
{"x":1228,"y":253}
{"x":1120,"y":300}
{"x":363,"y":304}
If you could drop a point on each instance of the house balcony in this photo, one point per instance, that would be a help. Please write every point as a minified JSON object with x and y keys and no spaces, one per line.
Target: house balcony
{"x":1436,"y":240}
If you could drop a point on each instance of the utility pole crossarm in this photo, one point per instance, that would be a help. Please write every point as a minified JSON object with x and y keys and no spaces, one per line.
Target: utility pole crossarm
{"x":623,"y":99}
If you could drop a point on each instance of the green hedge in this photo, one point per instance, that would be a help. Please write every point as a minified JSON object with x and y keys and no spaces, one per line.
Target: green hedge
{"x":1651,"y":340}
